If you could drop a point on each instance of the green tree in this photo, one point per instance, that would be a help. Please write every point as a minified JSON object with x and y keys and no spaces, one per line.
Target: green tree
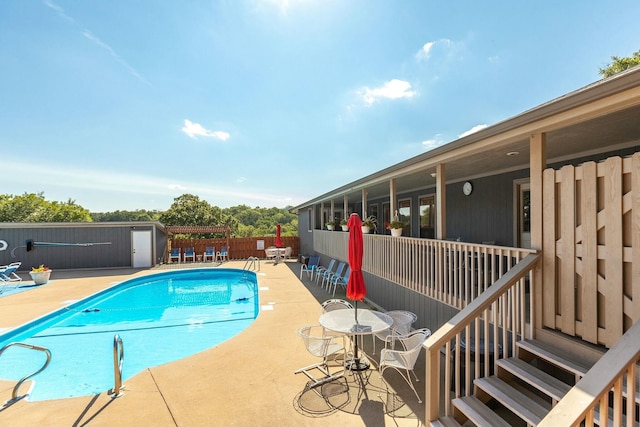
{"x":32,"y":207}
{"x":188,"y":209}
{"x":126,"y":216}
{"x":619,"y":64}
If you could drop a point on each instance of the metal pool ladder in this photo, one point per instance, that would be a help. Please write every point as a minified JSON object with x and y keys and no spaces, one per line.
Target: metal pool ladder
{"x":251,"y":263}
{"x":14,"y":394}
{"x":118,"y":361}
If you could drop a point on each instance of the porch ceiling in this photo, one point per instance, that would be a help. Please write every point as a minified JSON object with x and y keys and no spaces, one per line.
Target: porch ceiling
{"x":602,"y":134}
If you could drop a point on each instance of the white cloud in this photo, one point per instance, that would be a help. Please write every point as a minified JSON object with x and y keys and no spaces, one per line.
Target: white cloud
{"x":423,"y":54}
{"x":241,"y":180}
{"x":196,"y":129}
{"x":176,"y":187}
{"x":393,"y":89}
{"x":472,"y":130}
{"x":425,"y":51}
{"x":90,"y":36}
{"x":430,"y":144}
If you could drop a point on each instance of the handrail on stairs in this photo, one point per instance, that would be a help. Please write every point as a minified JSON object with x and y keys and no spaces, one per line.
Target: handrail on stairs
{"x":499,"y":310}
{"x":14,"y":394}
{"x":613,"y":375}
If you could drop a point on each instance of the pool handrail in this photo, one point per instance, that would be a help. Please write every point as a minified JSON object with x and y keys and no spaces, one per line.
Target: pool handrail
{"x":118,"y":362}
{"x":14,"y":394}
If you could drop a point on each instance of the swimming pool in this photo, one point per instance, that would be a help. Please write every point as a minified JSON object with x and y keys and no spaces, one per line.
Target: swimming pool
{"x":160,"y":318}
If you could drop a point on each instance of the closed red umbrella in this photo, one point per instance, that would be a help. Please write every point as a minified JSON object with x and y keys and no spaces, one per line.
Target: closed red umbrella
{"x":278,"y":240}
{"x":356,"y":289}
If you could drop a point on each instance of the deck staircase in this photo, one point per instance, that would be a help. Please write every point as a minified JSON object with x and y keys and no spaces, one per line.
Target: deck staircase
{"x":523,"y":389}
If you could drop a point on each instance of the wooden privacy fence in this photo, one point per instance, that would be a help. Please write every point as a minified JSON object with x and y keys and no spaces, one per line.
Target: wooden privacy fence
{"x":239,"y":247}
{"x":591,"y":247}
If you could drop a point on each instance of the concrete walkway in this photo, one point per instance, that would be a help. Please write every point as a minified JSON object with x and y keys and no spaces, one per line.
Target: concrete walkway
{"x":246,"y":381}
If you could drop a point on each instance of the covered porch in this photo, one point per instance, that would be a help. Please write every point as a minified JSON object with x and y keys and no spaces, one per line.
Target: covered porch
{"x":544,"y":244}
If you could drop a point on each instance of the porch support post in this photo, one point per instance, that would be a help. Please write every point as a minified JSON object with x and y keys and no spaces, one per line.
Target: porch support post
{"x":364,"y":203}
{"x":333,"y":209}
{"x":441,"y":201}
{"x":392,"y":198}
{"x":537,"y":163}
{"x":346,"y":207}
{"x":322,"y":221}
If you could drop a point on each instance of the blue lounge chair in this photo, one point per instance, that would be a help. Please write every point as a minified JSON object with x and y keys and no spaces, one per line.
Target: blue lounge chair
{"x":310,"y":267}
{"x":190,"y":253}
{"x":8,"y":276}
{"x":209,"y":253}
{"x":321,"y":271}
{"x":174,"y":255}
{"x":222,"y":254}
{"x":339,"y":271}
{"x":340,"y":280}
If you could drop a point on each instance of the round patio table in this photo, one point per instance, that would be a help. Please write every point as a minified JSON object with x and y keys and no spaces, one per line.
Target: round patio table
{"x":356,"y":322}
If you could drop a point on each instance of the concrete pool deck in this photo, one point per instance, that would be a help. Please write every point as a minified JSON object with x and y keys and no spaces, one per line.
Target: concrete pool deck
{"x":245,"y":381}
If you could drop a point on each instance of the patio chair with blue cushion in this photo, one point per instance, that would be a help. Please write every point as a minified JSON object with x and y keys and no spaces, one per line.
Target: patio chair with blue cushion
{"x":190,"y":253}
{"x":339,"y":271}
{"x":321,"y":270}
{"x":341,"y":280}
{"x":174,"y":255}
{"x":310,"y":267}
{"x":222,"y":254}
{"x":209,"y":253}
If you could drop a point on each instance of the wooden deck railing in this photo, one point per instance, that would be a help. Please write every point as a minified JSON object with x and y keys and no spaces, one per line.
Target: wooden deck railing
{"x":608,"y":393}
{"x":454,"y":273}
{"x":489,"y":325}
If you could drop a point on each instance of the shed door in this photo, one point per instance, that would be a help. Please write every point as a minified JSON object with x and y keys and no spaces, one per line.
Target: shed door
{"x":141,"y":249}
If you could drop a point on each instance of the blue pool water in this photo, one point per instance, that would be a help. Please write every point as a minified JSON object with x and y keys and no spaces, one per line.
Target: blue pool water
{"x":160,"y":318}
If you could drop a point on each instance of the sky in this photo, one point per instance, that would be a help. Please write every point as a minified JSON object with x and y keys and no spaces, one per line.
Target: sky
{"x":125,"y":105}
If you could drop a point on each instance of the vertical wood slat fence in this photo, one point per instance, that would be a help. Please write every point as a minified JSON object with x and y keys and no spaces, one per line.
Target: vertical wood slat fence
{"x":239,"y":247}
{"x":591,"y":247}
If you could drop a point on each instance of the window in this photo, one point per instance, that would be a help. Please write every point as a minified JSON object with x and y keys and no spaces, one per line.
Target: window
{"x":404,"y":215}
{"x":427,"y":216}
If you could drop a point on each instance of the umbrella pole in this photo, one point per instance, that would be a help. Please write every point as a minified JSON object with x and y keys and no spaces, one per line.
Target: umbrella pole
{"x":355,"y":347}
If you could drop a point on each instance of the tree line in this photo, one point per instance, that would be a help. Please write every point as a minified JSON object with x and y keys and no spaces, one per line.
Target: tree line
{"x":187,"y":209}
